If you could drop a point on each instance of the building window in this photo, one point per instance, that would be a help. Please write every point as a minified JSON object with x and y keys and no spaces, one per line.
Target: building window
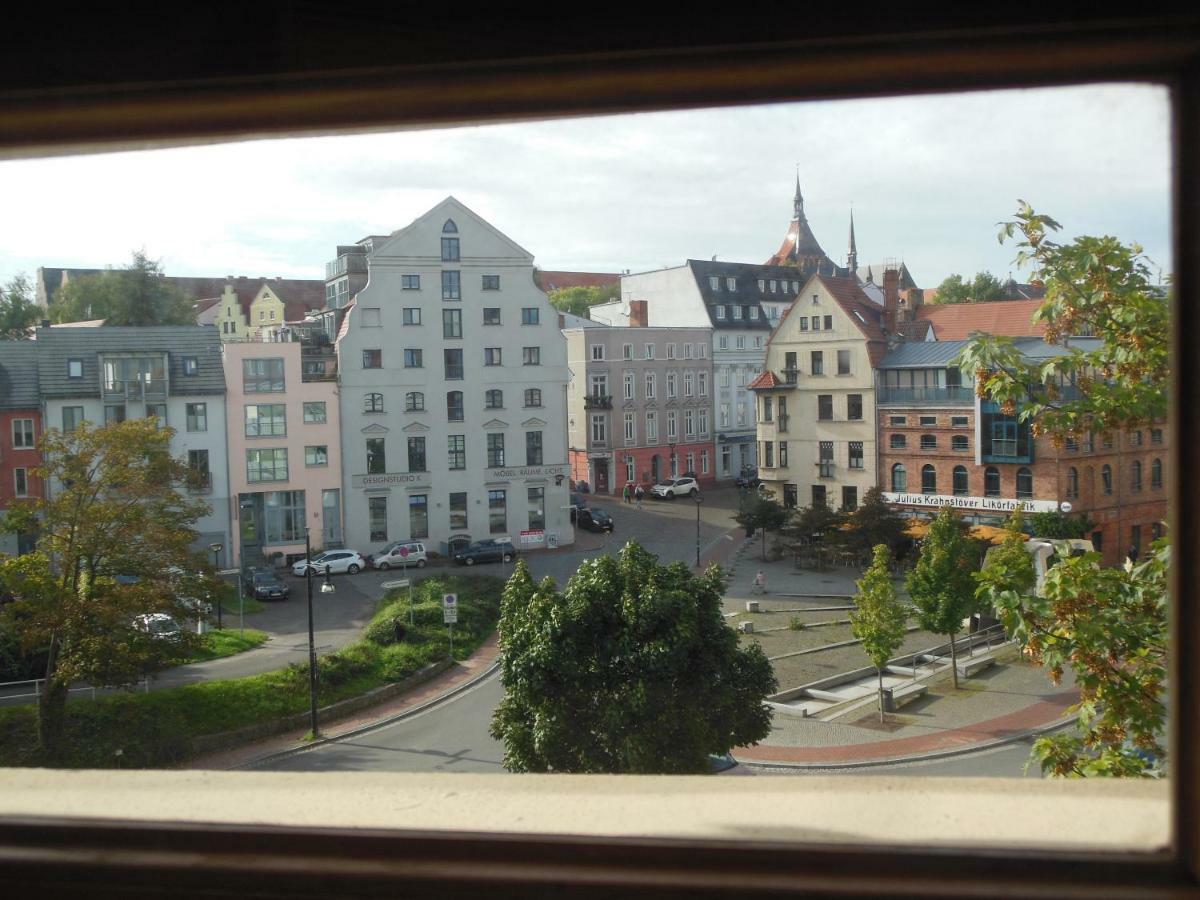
{"x":535,"y":498}
{"x":495,"y":450}
{"x":453,"y":362}
{"x":670,"y":351}
{"x":198,"y":476}
{"x":158,"y":412}
{"x":818,"y":495}
{"x":491,"y":315}
{"x":1106,"y":479}
{"x":829,"y":323}
{"x":531,"y":315}
{"x":629,"y":387}
{"x":533,"y":397}
{"x":703,"y":463}
{"x":816,"y":323}
{"x":959,"y":443}
{"x":458,"y":511}
{"x":843,"y":362}
{"x":454,"y":406}
{"x":651,"y":427}
{"x":1135,"y":438}
{"x":849,"y":497}
{"x":630,"y":428}
{"x":804,"y":323}
{"x":649,"y":351}
{"x":491,"y":356}
{"x":768,"y":454}
{"x":928,"y":479}
{"x":418,"y":516}
{"x":416,"y":456}
{"x":413,"y":358}
{"x":370,"y":317}
{"x":414,"y":401}
{"x":767,"y":407}
{"x":531,"y":356}
{"x":377,"y":518}
{"x":689,"y":423}
{"x":22,"y":434}
{"x":702,"y":383}
{"x":266,"y":420}
{"x":651,"y":385}
{"x":897,"y":420}
{"x":898,"y":442}
{"x":754,"y":315}
{"x":262,"y":375}
{"x":191,"y":365}
{"x":960,"y":481}
{"x":20,"y":482}
{"x":714,"y":283}
{"x":688,"y":384}
{"x":373,"y":403}
{"x":672,"y":425}
{"x":411,"y":283}
{"x":493,"y":399}
{"x":598,"y":352}
{"x":627,"y":351}
{"x":854,"y":407}
{"x":316,"y":455}
{"x":928,"y":442}
{"x":72,"y":417}
{"x":451,"y":323}
{"x":450,"y":249}
{"x":456,"y":447}
{"x":1135,"y":476}
{"x":599,"y":385}
{"x":1024,"y":484}
{"x":412,"y":315}
{"x":1106,"y":441}
{"x":451,"y":288}
{"x":372,"y":359}
{"x":1156,"y":473}
{"x":704,"y":421}
{"x":825,"y":407}
{"x":818,"y":362}
{"x":533,"y":448}
{"x":1156,"y":435}
{"x":497,"y":512}
{"x":783,"y":456}
{"x":991,"y":482}
{"x":599,"y":430}
{"x":958,"y":422}
{"x":720,"y":311}
{"x":197,"y":416}
{"x":1072,"y":483}
{"x":74,"y":368}
{"x":856,"y":455}
{"x":376,"y":457}
{"x":267,"y":465}
{"x":491,"y":283}
{"x":314,"y":412}
{"x":737,"y":313}
{"x":114,"y":413}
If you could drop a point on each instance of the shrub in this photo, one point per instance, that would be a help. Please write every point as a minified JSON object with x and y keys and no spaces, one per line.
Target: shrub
{"x":795,"y":624}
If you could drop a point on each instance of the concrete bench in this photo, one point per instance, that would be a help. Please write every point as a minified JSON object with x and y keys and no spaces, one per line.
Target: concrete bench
{"x":973,"y":664}
{"x":904,"y":694}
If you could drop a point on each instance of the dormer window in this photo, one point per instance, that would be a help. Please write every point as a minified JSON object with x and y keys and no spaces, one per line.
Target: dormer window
{"x":714,"y":283}
{"x":731,"y":284}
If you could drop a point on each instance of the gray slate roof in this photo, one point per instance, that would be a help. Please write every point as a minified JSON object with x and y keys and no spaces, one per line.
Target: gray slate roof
{"x":18,"y":375}
{"x":57,"y":345}
{"x":746,"y":292}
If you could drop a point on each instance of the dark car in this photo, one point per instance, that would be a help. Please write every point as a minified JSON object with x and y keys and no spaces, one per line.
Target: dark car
{"x":577,"y":503}
{"x":594,"y":519}
{"x":250,"y":573}
{"x":267,"y":586}
{"x":485,"y":551}
{"x":748,"y":479}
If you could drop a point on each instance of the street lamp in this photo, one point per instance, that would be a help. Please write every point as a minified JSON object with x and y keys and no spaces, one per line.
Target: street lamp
{"x":312,"y":647}
{"x":216,"y":552}
{"x":698,"y":500}
{"x":674,"y":468}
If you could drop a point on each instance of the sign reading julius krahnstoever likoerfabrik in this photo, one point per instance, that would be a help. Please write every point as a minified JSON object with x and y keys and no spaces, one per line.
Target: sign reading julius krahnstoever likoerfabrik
{"x":982,"y":504}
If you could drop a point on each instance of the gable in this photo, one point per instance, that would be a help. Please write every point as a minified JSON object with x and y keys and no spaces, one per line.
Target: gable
{"x":479,"y":239}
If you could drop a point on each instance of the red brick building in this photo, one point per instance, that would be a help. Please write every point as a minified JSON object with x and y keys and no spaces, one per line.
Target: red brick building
{"x":20,"y":432}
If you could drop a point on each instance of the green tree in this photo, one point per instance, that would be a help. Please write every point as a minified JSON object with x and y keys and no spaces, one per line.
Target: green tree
{"x":875,"y":521}
{"x":954,"y":289}
{"x":1057,"y":525}
{"x":630,"y":670}
{"x":879,"y":618}
{"x":941,"y":584}
{"x":1108,"y":625}
{"x":761,"y":512}
{"x":578,"y":300}
{"x":137,"y":295}
{"x":114,"y":509}
{"x":18,"y":310}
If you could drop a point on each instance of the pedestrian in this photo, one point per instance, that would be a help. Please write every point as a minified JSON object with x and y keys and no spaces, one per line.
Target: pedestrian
{"x":760,"y":583}
{"x":625,"y":493}
{"x":1133,"y":554}
{"x":638,"y":493}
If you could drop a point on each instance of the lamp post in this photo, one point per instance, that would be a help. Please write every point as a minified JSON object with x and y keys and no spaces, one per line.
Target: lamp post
{"x":699,"y":500}
{"x":216,"y":552}
{"x":312,"y":647}
{"x":671,"y":462}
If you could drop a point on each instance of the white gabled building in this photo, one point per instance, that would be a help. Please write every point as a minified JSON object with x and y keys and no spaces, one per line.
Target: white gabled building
{"x":453,"y":377}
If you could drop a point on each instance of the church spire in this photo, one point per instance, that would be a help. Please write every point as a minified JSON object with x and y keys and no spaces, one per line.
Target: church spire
{"x":799,"y":199}
{"x":852,"y":256}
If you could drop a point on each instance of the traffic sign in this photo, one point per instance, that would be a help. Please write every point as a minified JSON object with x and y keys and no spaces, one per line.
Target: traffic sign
{"x":397,"y":583}
{"x":449,"y":609}
{"x":404,"y":551}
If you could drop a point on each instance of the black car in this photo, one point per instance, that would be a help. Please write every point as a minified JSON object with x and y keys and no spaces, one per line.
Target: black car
{"x":486,"y":551}
{"x":267,"y":586}
{"x":594,"y":519}
{"x":748,"y":479}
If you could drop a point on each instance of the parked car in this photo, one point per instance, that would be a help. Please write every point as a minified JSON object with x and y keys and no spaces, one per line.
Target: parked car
{"x":400,"y":554}
{"x":159,"y":626}
{"x":336,"y":561}
{"x":594,"y":519}
{"x":676,"y":487}
{"x":486,"y":551}
{"x":250,"y":573}
{"x":267,"y":586}
{"x":748,"y":479}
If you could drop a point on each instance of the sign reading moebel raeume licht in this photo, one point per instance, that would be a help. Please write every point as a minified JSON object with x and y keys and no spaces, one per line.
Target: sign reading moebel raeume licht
{"x":984,"y":504}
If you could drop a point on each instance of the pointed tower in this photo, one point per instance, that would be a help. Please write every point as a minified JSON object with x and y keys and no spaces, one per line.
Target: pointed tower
{"x":800,"y":247}
{"x":852,"y":256}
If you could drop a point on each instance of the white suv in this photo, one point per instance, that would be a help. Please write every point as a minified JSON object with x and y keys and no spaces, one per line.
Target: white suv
{"x":676,"y":487}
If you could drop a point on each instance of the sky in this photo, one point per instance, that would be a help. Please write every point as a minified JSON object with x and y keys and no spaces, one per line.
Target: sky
{"x":928,"y":179}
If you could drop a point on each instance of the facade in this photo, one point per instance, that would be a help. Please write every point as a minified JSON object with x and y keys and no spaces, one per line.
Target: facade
{"x":175,"y":373}
{"x":20,"y":432}
{"x":640,"y":404}
{"x":940,"y":444}
{"x":453,"y":379}
{"x":816,"y":396}
{"x":258,"y":309}
{"x":284,"y":448}
{"x":346,"y":274}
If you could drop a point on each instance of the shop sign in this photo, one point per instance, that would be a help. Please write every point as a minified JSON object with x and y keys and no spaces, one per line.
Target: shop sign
{"x":984,"y":504}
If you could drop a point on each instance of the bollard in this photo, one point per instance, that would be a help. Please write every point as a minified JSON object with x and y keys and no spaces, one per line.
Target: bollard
{"x":752,"y":606}
{"x":746,"y":627}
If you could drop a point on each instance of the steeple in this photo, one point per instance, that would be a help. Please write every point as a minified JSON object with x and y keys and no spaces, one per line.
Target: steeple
{"x":800,"y":247}
{"x":799,"y":200}
{"x":852,"y":256}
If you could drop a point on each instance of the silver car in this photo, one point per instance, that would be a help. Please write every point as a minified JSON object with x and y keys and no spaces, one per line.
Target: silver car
{"x":335,"y":562}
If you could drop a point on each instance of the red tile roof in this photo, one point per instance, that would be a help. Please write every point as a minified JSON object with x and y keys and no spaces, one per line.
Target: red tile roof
{"x":858,"y":307}
{"x":958,"y":321}
{"x":765,"y":381}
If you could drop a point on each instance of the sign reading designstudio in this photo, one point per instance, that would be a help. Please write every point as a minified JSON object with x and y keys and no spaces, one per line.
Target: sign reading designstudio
{"x":386,"y":481}
{"x":984,"y":504}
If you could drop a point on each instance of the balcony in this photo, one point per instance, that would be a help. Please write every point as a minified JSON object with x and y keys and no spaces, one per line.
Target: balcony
{"x":791,"y":376}
{"x":598,"y":401}
{"x":916,"y":396}
{"x":138,"y":389}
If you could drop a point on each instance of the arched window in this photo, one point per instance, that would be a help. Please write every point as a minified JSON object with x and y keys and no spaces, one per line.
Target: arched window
{"x":1156,"y":474}
{"x":899,"y":478}
{"x":493,"y":399}
{"x":929,"y":442}
{"x":928,"y":480}
{"x":449,"y":227}
{"x":414,"y":401}
{"x":1106,"y":478}
{"x":991,"y":482}
{"x":454,"y":406}
{"x":959,"y":443}
{"x":960,"y":481}
{"x":1072,"y":483}
{"x":1024,"y":484}
{"x":1135,"y":475}
{"x":373,"y":403}
{"x":898,"y":442}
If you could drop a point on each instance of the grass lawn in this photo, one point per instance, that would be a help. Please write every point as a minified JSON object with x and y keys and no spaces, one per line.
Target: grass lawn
{"x":228,"y":642}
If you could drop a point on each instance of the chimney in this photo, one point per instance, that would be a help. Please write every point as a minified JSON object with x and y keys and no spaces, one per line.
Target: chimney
{"x":637,"y":314}
{"x":891,"y":298}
